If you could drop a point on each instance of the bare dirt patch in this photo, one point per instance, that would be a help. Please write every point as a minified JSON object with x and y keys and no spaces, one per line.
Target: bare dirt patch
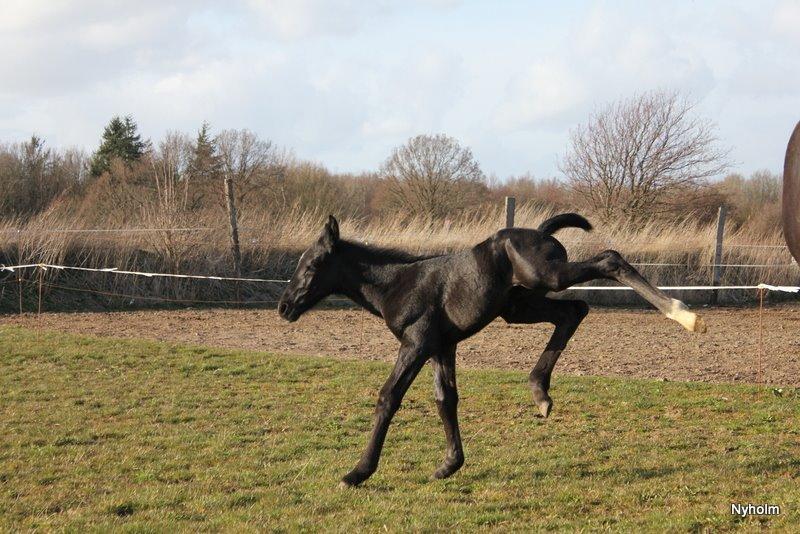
{"x":632,"y":343}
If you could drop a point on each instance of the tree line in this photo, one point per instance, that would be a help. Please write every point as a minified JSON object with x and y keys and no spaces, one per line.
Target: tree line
{"x":643,"y":158}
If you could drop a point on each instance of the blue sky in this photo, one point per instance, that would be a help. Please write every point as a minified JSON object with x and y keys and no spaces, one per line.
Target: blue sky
{"x":342,"y":82}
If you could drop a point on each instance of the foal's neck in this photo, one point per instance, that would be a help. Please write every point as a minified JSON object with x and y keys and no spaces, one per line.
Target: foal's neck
{"x":368,"y":273}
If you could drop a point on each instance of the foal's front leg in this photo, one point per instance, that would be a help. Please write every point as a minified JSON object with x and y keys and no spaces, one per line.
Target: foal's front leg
{"x":446,"y":394}
{"x":409,"y":362}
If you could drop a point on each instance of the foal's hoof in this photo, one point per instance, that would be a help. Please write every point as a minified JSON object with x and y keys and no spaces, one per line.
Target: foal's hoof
{"x":545,"y":407}
{"x":449,"y":467}
{"x":700,"y":325}
{"x":689,"y":320}
{"x":353,"y":479}
{"x":542,"y":401}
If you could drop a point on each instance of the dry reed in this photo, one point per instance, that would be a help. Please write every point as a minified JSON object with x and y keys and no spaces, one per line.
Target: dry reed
{"x":272,"y":242}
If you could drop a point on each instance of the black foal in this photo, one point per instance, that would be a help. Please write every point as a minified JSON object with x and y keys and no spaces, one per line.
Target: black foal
{"x":431,"y":303}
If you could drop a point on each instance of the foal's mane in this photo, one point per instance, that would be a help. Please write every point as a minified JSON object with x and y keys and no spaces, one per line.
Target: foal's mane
{"x":380,"y":255}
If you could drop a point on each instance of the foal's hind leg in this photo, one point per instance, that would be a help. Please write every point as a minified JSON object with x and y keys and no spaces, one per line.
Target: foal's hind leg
{"x":566,"y":315}
{"x":610,"y":265}
{"x":446,"y":394}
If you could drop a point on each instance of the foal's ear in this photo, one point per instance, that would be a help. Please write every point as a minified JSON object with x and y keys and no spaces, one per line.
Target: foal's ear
{"x":330,"y":234}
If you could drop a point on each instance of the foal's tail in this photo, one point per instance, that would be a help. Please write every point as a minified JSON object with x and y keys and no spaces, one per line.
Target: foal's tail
{"x":565,"y":220}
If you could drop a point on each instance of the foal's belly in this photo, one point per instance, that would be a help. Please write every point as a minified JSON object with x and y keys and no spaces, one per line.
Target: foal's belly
{"x":473,"y":292}
{"x":468,"y":308}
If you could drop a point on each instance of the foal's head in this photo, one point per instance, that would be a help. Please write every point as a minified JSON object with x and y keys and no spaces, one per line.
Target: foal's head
{"x":314,"y":279}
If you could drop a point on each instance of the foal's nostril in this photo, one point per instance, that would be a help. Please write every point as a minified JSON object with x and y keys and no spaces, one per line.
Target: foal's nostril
{"x":282,"y":307}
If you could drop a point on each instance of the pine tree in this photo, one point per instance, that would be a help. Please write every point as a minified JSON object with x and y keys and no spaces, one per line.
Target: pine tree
{"x":120,"y":140}
{"x":205,"y":164}
{"x":205,"y":167}
{"x":35,"y":176}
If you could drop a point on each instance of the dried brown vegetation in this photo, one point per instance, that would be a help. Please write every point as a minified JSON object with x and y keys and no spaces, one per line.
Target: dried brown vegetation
{"x":164,"y":210}
{"x":272,"y":241}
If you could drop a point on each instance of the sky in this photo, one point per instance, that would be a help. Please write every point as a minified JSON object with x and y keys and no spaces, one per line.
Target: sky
{"x":343,"y":82}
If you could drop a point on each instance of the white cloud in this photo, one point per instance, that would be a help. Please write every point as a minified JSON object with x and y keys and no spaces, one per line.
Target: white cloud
{"x":27,"y":14}
{"x":294,"y":19}
{"x":546,"y":91}
{"x":786,"y":19}
{"x":343,"y":81}
{"x":74,"y":45}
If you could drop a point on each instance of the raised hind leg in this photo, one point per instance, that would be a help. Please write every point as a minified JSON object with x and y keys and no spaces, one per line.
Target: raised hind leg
{"x":566,"y":315}
{"x":559,"y":275}
{"x":446,"y":394}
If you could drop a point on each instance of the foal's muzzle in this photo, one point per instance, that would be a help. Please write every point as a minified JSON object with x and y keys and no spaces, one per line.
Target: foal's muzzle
{"x":287,"y":311}
{"x":291,"y":307}
{"x":282,"y":309}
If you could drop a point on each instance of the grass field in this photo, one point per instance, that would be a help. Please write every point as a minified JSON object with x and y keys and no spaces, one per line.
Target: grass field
{"x":102,"y":433}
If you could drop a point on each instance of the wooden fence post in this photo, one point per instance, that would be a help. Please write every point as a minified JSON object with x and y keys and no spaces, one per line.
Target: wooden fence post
{"x":41,"y":285}
{"x":237,"y":255}
{"x":716,"y":272}
{"x":511,"y":203}
{"x":19,"y":271}
{"x":19,"y":281}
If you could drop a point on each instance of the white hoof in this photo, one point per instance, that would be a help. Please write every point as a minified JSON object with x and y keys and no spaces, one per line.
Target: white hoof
{"x":689,"y":320}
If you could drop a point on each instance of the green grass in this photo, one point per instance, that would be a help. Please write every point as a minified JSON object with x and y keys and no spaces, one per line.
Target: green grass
{"x":142,"y":436}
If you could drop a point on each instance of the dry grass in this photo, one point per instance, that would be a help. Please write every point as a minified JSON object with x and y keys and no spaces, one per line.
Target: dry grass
{"x":270,"y":244}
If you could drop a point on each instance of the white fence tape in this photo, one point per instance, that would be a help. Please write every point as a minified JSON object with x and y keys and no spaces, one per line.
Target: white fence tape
{"x":787,"y":289}
{"x":106,"y":230}
{"x":663,"y":288}
{"x":754,"y":246}
{"x":114,"y":270}
{"x":746,"y":265}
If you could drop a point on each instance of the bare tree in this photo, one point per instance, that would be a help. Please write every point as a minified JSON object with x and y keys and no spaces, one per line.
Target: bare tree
{"x":311,"y":187}
{"x":628,"y":158}
{"x":432,"y":175}
{"x":32,"y":175}
{"x":752,"y":198}
{"x":171,"y":176}
{"x":253,"y":163}
{"x":169,"y":209}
